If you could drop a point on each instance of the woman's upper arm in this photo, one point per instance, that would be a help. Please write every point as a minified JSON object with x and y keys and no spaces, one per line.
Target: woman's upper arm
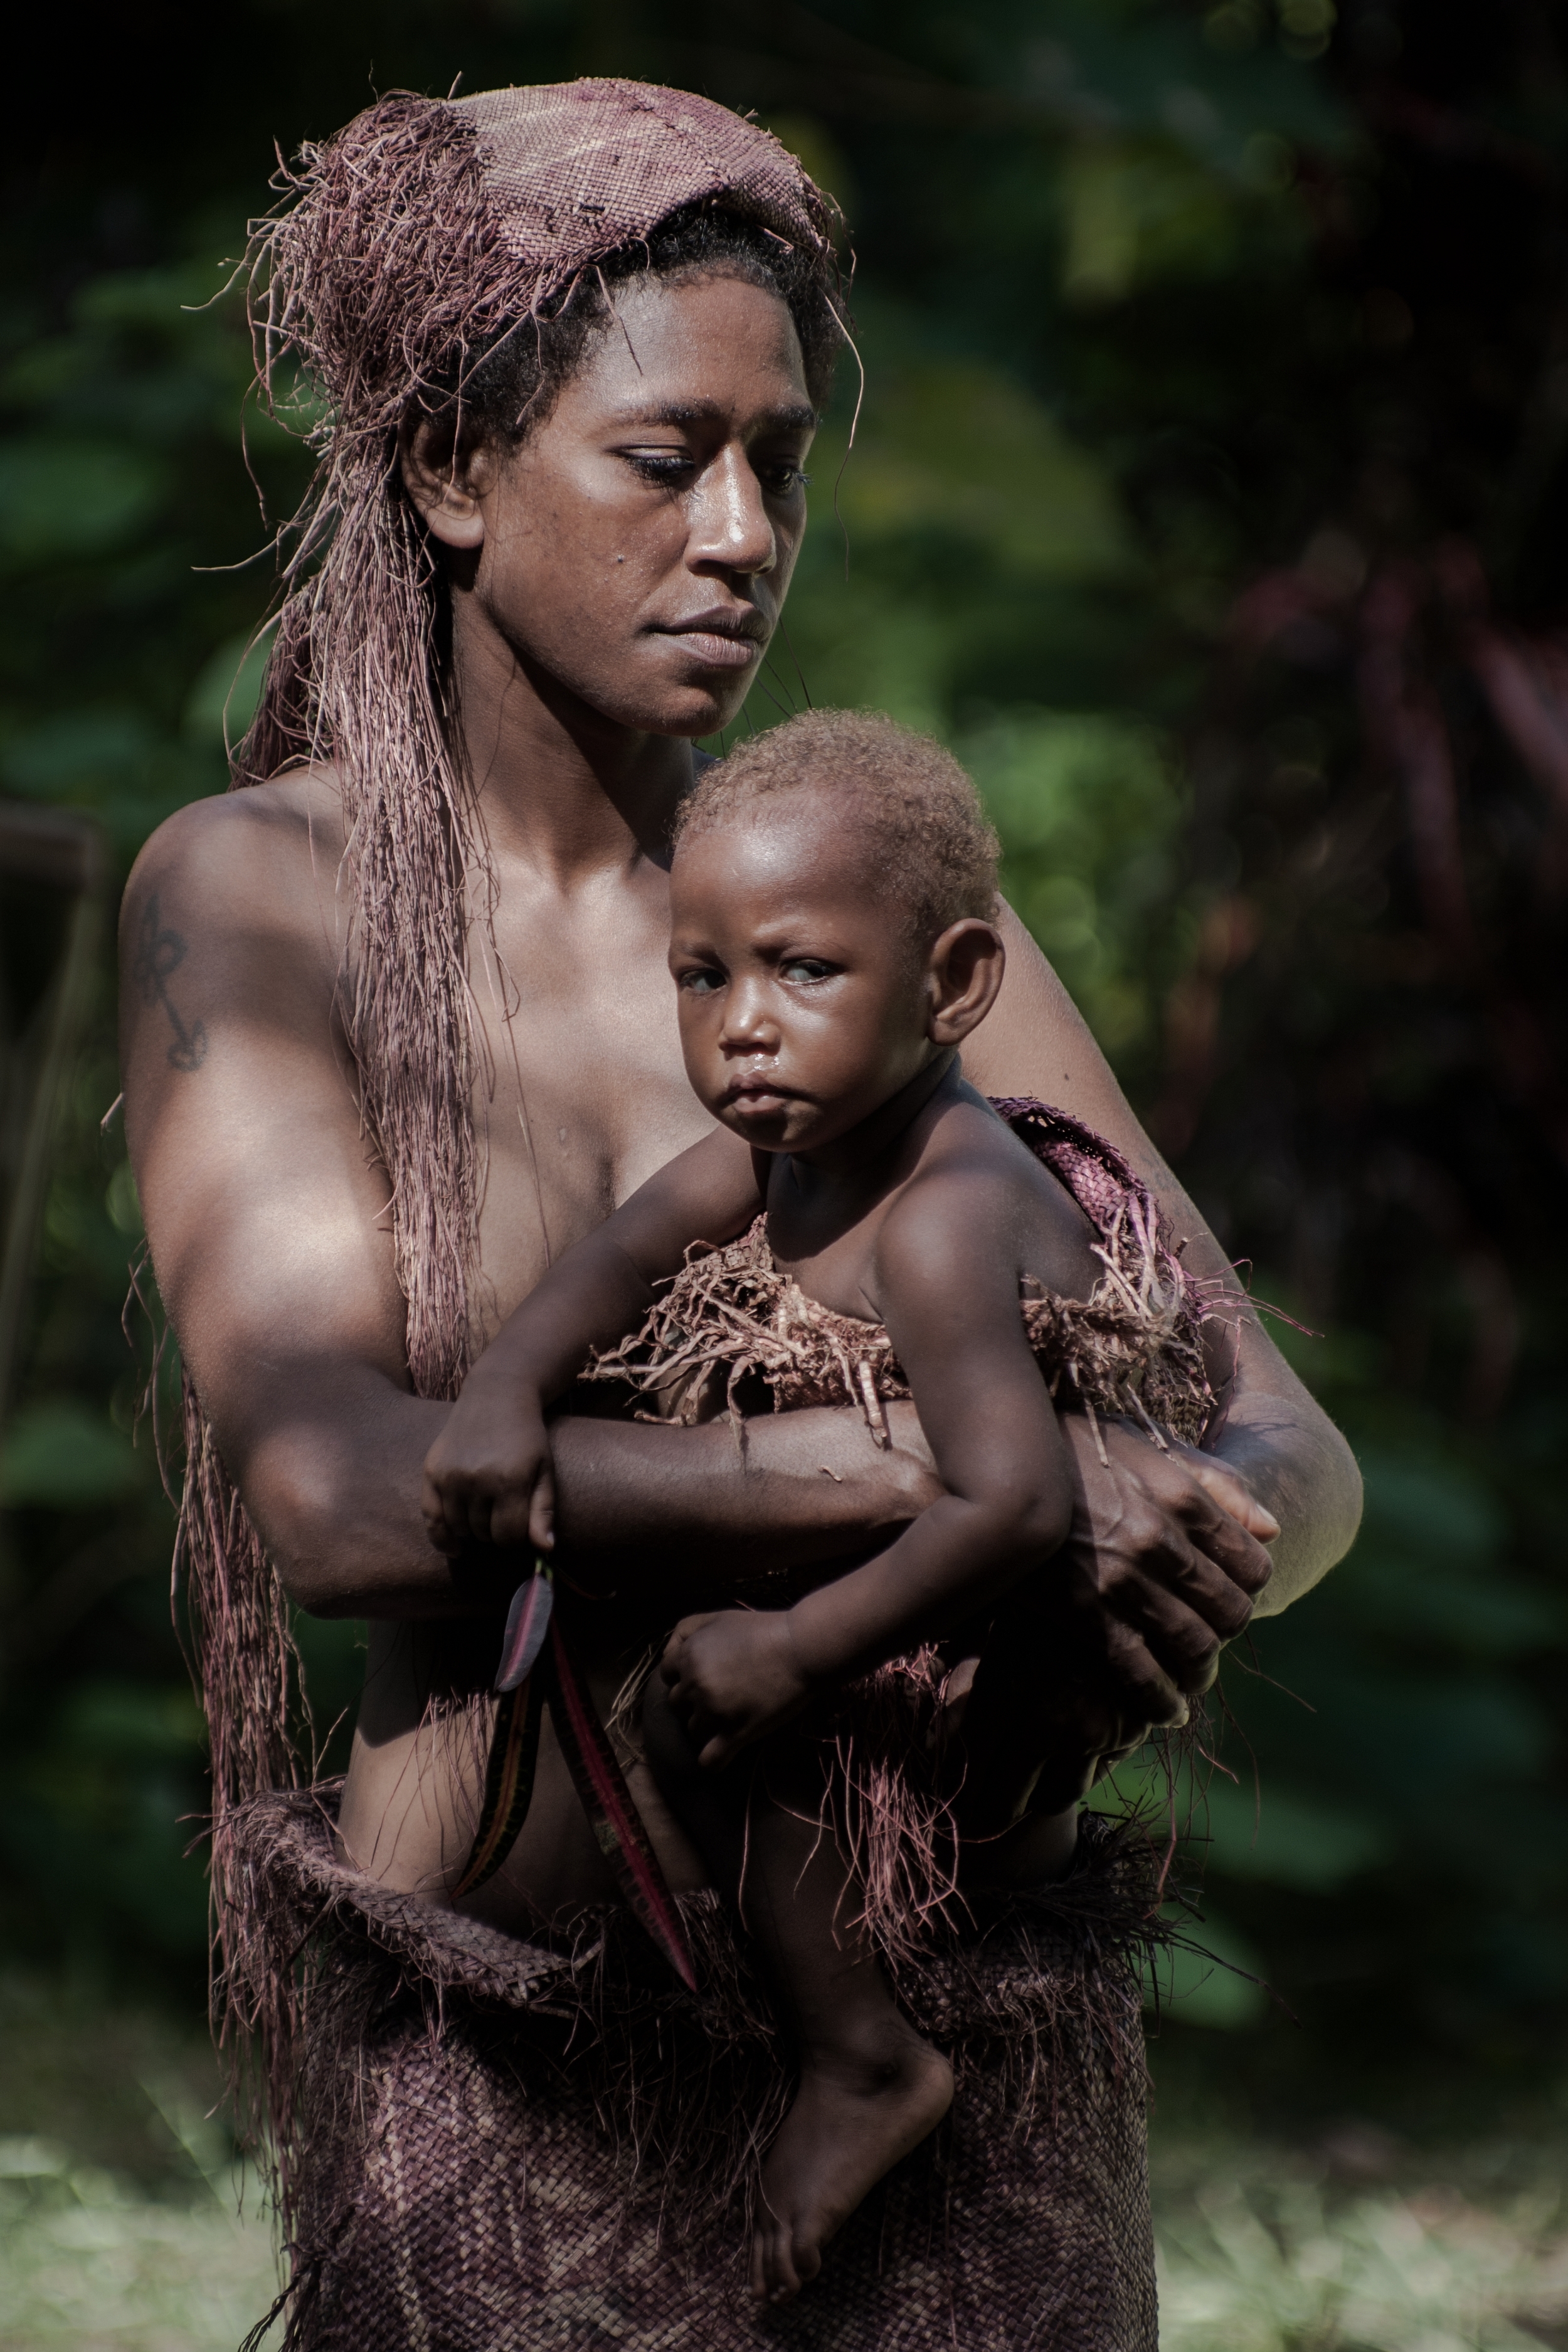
{"x":1034,"y":1041}
{"x":264,"y":1208}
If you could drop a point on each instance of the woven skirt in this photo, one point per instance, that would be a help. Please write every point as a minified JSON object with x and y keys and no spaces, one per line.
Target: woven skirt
{"x":495,"y":2145}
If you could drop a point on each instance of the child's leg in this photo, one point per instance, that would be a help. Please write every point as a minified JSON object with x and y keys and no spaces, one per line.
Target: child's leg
{"x":1028,"y":1739}
{"x":870,"y":2087}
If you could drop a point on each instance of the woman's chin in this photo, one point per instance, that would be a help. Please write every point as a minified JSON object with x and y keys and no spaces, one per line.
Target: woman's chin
{"x":694,"y":711}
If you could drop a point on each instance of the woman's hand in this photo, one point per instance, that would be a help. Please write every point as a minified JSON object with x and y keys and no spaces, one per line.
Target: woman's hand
{"x":732,"y":1677}
{"x":1165,"y":1556}
{"x":488,"y":1477}
{"x":1166,"y":1549}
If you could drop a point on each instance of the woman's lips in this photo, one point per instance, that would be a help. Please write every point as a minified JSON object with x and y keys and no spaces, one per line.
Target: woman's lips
{"x":714,"y":650}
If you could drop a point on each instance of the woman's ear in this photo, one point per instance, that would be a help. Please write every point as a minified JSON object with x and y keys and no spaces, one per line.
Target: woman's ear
{"x":449,"y":473}
{"x":963,"y":973}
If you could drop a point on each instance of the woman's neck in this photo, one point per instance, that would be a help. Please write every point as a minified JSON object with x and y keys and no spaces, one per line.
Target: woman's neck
{"x":559,"y":785}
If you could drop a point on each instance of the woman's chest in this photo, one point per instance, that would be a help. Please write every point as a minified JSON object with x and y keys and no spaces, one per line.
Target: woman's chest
{"x":582,"y":1093}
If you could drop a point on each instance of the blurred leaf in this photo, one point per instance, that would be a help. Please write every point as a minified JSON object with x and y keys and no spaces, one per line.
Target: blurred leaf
{"x":224,"y":696}
{"x":1211,"y":1984}
{"x":955,"y":444}
{"x":64,"y":497}
{"x":1286,"y":1840}
{"x":131,"y":1721}
{"x":79,"y":752}
{"x":65,"y":1456}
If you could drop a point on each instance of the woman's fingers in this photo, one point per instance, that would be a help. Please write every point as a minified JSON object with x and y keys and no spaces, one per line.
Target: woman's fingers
{"x":1185,"y":1572}
{"x":1146,"y":1697}
{"x":433,"y":1505}
{"x":1234,"y":1548}
{"x":1226,"y":1489}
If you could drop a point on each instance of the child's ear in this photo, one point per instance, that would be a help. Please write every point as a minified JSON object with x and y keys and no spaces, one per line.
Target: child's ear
{"x":963,"y":973}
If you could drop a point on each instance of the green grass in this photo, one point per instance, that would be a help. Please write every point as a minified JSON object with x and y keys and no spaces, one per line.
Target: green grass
{"x":119,"y":2227}
{"x":1270,"y":2250}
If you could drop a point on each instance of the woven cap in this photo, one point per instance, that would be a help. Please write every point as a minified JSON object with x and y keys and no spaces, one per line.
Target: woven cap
{"x":574,"y":168}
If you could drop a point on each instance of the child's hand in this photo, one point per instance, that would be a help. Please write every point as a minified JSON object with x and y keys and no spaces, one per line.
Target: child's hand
{"x":488,"y":1477}
{"x":733,"y":1677}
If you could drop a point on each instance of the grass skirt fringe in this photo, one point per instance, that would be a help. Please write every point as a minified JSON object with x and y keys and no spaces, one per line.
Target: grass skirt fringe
{"x":494,"y":2146}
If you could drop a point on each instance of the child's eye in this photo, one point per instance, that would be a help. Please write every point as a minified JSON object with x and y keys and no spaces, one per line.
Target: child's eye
{"x":779,"y":481}
{"x":701,"y":982}
{"x":806,"y":968}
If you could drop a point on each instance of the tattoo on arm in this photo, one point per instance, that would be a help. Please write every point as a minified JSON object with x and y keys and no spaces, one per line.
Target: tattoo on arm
{"x":158,"y":954}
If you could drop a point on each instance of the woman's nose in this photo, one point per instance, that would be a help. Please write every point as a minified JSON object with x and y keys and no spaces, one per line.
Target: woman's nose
{"x":730,"y":527}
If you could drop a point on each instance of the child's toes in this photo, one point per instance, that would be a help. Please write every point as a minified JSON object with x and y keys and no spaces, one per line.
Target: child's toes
{"x":806,"y":2261}
{"x":774,"y":2276}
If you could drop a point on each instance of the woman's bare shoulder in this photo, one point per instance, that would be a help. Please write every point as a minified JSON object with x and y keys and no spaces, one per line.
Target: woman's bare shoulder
{"x":267,"y":855}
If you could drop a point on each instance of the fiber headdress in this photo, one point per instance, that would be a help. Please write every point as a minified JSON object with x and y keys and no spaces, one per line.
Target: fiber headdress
{"x":407,"y":247}
{"x":420,"y":235}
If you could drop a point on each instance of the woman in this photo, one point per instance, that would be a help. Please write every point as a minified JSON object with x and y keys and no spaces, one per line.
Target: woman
{"x":397,"y":1029}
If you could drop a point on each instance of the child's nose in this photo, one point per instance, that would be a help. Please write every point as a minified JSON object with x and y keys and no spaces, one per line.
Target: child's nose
{"x":749,"y":1023}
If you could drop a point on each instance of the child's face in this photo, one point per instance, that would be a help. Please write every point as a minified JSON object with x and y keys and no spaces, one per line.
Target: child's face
{"x":802,"y":1005}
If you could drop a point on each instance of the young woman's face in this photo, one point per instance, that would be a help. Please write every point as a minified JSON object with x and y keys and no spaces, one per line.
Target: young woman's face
{"x":802,"y":1007}
{"x":637,"y":546}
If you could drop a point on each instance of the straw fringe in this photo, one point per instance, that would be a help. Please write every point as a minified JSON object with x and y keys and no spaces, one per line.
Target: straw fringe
{"x":1132,"y":1350}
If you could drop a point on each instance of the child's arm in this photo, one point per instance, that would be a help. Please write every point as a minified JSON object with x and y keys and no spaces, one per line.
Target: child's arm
{"x":488,"y":1476}
{"x":948,"y":1264}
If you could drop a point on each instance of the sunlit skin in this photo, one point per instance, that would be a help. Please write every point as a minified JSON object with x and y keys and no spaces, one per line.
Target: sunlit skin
{"x":824,"y":1039}
{"x":586,"y":570}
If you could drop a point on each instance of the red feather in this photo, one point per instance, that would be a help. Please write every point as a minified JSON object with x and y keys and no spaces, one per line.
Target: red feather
{"x":607,"y":1802}
{"x":527,"y":1622}
{"x":509,"y":1783}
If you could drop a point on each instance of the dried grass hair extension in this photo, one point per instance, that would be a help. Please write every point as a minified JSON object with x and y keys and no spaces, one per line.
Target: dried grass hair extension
{"x":433,"y":258}
{"x":925,"y":834}
{"x":421,"y":267}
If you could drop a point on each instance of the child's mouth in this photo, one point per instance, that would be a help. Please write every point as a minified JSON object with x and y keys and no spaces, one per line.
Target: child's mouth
{"x":755,"y":1096}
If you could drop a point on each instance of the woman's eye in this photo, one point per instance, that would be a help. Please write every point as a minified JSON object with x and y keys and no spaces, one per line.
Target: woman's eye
{"x":806,"y":968}
{"x":779,"y":481}
{"x":668,"y":468}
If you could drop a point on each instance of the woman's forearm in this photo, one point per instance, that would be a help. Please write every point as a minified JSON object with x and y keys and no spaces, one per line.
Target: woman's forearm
{"x":332,"y":1482}
{"x":802,"y":1488}
{"x":1278,"y":1439}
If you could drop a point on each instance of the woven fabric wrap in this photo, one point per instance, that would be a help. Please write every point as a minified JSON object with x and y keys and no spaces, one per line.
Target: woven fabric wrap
{"x":460,"y":2187}
{"x":574,"y":168}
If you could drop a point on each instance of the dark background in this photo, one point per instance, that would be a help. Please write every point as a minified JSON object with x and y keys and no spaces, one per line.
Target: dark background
{"x":1209,"y":497}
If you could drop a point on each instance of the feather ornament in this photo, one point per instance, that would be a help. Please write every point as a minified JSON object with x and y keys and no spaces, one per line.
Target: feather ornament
{"x":527,"y":1624}
{"x":509,"y":1782}
{"x":612,"y":1813}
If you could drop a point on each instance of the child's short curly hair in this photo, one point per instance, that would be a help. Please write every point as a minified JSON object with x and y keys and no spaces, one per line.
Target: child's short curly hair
{"x":935,"y":849}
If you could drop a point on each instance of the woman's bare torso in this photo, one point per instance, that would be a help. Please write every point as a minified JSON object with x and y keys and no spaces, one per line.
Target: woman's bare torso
{"x":585,"y":1097}
{"x":288,"y":1307}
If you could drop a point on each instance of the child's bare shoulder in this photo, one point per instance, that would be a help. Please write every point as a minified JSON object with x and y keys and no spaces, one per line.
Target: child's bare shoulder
{"x":981,"y":1192}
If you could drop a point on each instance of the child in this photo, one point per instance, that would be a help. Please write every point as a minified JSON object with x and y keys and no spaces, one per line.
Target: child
{"x":832,"y":894}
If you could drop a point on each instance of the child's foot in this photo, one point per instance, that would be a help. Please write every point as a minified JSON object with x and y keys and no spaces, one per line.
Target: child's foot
{"x":856,"y":2114}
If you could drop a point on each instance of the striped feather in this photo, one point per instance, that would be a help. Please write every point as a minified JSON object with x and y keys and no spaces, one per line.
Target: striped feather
{"x":509,"y":1782}
{"x":614,"y":1818}
{"x":527,"y":1624}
